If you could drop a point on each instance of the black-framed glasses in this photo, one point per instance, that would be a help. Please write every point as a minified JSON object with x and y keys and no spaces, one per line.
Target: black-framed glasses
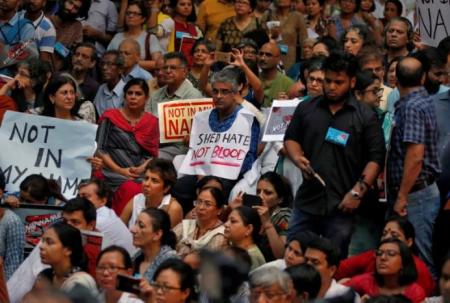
{"x":222,"y":92}
{"x":163,"y":287}
{"x":375,"y":91}
{"x":110,"y":269}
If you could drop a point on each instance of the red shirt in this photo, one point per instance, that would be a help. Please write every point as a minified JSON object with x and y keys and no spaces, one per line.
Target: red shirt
{"x":365,"y":263}
{"x":366,"y":284}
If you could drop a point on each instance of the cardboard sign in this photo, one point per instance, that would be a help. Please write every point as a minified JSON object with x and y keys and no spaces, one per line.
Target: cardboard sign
{"x":54,"y":148}
{"x":36,"y":219}
{"x":175,"y":117}
{"x":218,"y":154}
{"x":280,"y":115}
{"x":433,"y":19}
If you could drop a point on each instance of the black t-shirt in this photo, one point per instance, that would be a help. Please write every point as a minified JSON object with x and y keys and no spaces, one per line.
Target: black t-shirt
{"x":339,"y":164}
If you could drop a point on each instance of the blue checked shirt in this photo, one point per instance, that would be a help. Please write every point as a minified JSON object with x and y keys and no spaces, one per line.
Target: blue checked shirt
{"x":414,"y":122}
{"x":12,"y":241}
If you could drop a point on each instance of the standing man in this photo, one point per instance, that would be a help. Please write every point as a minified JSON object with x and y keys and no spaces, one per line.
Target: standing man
{"x":110,"y":93}
{"x":45,"y":34}
{"x":273,"y":81}
{"x":398,"y":38}
{"x":413,"y":164}
{"x":338,"y":144}
{"x":83,"y":60}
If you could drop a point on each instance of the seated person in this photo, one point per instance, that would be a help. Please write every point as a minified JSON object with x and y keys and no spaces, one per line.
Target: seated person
{"x":395,"y":273}
{"x":268,"y":281}
{"x":159,"y":177}
{"x":232,"y":133}
{"x":306,"y":282}
{"x":206,"y":230}
{"x":128,"y":138}
{"x":242,"y":230}
{"x":35,"y":189}
{"x":396,"y":227}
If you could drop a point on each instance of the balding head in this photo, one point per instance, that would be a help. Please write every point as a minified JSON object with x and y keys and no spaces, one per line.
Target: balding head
{"x":129,"y":51}
{"x":409,"y":72}
{"x":269,"y":56}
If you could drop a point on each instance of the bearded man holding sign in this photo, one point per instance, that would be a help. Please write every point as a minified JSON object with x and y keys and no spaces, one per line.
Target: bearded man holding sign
{"x":223,"y":140}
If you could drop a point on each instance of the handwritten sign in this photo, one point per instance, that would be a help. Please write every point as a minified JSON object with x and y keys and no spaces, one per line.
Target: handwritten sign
{"x":433,"y":19}
{"x":54,"y":148}
{"x":219,"y":154}
{"x":175,"y":118}
{"x":280,"y":115}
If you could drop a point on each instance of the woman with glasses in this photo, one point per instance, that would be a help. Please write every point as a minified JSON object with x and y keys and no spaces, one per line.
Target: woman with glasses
{"x":175,"y":282}
{"x":395,"y":273}
{"x":206,"y":231}
{"x":159,"y":177}
{"x":396,"y":227}
{"x":112,"y":261}
{"x":233,"y":29}
{"x":156,"y":241}
{"x":136,"y":15}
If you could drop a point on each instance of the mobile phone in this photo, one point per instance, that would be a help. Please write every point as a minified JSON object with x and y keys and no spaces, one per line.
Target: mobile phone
{"x":128,"y":284}
{"x":223,"y":57}
{"x":251,"y":200}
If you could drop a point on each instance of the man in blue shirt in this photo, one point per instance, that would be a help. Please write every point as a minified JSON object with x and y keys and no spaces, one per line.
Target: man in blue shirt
{"x":16,"y":33}
{"x":413,"y":164}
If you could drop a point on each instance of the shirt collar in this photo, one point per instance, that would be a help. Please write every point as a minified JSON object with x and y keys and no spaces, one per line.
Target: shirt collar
{"x":420,"y":91}
{"x":179,"y":92}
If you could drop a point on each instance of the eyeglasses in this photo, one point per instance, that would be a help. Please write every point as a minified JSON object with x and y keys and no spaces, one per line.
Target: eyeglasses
{"x":171,"y":67}
{"x":222,"y":92}
{"x":133,"y":14}
{"x":164,"y":288}
{"x":313,"y":79}
{"x":387,"y":252}
{"x":255,"y":295}
{"x":375,"y":91}
{"x":110,"y":269}
{"x":206,"y":204}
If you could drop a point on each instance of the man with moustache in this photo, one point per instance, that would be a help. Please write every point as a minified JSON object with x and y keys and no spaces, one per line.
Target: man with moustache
{"x":338,"y":144}
{"x":69,"y":31}
{"x":83,"y":60}
{"x":45,"y":34}
{"x":398,"y":38}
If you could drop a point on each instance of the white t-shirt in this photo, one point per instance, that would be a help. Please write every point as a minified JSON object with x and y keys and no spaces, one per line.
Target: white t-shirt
{"x":139,"y":205}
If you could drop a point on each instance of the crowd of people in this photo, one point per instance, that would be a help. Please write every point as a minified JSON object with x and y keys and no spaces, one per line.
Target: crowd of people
{"x":352,"y":205}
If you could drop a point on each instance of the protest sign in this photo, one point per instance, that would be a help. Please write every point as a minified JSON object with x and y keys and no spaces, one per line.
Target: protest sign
{"x":175,"y":117}
{"x":36,"y":219}
{"x":280,"y":115}
{"x":219,"y":154}
{"x":433,"y":19}
{"x":54,"y":148}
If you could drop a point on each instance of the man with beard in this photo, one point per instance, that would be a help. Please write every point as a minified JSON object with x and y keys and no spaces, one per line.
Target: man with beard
{"x":109,"y":94}
{"x":398,"y":38}
{"x":434,"y":64}
{"x":83,"y":60}
{"x":413,"y":164}
{"x":338,"y":144}
{"x":45,"y":34}
{"x":14,"y":30}
{"x":273,"y":81}
{"x":69,"y":31}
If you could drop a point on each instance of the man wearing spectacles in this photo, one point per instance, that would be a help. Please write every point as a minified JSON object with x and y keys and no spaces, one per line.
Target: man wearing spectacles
{"x":110,"y":93}
{"x":177,"y":87}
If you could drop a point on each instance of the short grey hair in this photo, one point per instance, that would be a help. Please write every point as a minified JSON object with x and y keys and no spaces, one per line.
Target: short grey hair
{"x":226,"y":76}
{"x":268,"y":276}
{"x":134,"y":43}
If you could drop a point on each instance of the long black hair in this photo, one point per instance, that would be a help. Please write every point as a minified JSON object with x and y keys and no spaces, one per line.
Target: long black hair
{"x":54,"y":84}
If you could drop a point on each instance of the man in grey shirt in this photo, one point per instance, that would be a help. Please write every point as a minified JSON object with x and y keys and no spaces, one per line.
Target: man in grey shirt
{"x":177,"y":87}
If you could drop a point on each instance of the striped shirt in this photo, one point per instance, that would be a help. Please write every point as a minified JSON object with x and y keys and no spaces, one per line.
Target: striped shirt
{"x":45,"y":34}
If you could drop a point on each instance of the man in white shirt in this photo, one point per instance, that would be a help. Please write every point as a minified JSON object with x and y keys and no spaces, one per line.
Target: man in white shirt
{"x":324,"y":256}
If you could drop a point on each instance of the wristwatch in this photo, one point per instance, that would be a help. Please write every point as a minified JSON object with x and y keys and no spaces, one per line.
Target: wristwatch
{"x":355,"y":194}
